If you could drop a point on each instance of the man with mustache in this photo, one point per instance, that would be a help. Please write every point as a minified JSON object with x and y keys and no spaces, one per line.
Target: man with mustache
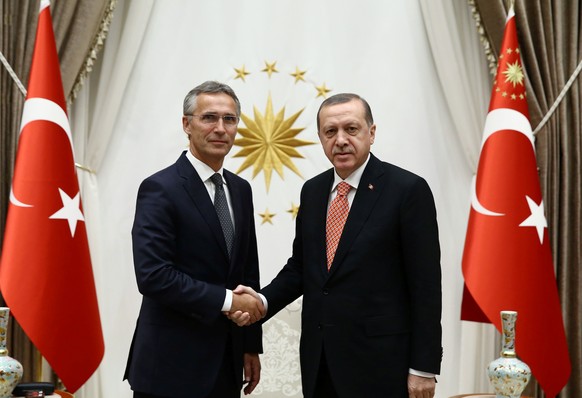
{"x":366,"y":259}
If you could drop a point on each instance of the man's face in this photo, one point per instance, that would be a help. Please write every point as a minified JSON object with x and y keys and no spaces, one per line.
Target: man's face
{"x":210,"y":137}
{"x":345,"y":136}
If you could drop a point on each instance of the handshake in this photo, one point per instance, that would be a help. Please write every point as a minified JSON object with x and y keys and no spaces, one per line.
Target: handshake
{"x":247,"y":306}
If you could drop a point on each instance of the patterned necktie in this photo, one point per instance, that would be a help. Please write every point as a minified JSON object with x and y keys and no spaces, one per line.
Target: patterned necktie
{"x":222,"y":211}
{"x":336,"y":218}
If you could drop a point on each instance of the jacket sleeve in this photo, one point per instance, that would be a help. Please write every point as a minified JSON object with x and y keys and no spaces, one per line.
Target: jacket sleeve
{"x":421,"y":251}
{"x":253,"y":338}
{"x":154,"y":236}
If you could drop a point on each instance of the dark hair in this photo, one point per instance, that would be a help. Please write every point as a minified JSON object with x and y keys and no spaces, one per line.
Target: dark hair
{"x":208,"y":87}
{"x":342,"y":98}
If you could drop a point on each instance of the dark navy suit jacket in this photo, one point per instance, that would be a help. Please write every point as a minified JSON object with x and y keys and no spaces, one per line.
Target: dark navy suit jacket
{"x":377,"y":312}
{"x":182,"y":269}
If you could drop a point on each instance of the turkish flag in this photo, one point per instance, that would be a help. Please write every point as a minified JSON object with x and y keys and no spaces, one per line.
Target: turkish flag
{"x":507,"y":262}
{"x":45,"y":271}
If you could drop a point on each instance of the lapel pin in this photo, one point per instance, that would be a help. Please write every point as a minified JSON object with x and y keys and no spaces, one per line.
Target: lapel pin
{"x":370,"y":187}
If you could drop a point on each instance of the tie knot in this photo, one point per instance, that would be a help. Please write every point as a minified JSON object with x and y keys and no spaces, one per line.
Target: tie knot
{"x":216,"y":178}
{"x":343,"y":188}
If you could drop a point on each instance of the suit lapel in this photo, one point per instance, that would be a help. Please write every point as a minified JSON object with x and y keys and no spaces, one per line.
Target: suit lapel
{"x":367,"y":195}
{"x":199,"y":195}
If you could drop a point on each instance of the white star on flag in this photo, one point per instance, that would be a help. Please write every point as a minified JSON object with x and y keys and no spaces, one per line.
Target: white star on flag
{"x":70,"y":211}
{"x":537,"y":218}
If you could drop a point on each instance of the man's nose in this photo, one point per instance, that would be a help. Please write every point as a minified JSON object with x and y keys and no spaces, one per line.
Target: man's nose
{"x":220,"y":126}
{"x":341,"y":138}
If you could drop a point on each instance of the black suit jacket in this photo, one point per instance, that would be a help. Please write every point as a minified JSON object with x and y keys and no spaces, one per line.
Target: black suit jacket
{"x":182,"y":270}
{"x":377,"y":312}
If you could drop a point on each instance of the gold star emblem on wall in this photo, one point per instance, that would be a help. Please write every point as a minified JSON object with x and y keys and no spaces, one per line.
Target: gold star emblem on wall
{"x":270,"y":68}
{"x":267,"y":216}
{"x":299,"y":75}
{"x":241,"y":73}
{"x":268,"y":142}
{"x":322,"y":91}
{"x":293,"y":210}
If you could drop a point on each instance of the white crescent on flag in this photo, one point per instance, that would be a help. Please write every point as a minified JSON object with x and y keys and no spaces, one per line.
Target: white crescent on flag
{"x":42,"y":109}
{"x":45,"y":109}
{"x":507,"y":119}
{"x":476,"y":205}
{"x":497,"y":120}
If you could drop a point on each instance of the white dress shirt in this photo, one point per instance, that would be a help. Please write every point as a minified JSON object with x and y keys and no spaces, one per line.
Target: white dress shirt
{"x":205,"y":172}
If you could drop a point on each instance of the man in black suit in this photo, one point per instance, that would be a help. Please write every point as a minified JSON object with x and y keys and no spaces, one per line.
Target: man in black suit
{"x":188,"y":255}
{"x":372,"y":307}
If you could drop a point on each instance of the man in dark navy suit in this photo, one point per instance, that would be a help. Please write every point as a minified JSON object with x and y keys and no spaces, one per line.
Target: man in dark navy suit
{"x":366,"y":259}
{"x":193,"y":242}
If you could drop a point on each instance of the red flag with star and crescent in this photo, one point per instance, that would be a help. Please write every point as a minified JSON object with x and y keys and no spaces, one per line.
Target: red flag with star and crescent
{"x":45,"y":272}
{"x":507,"y":262}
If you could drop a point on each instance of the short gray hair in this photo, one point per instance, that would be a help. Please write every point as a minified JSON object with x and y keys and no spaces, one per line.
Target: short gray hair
{"x":208,"y":87}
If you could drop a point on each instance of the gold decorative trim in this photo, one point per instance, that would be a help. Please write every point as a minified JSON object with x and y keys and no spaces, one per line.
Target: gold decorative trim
{"x":97,"y":45}
{"x":484,"y":38}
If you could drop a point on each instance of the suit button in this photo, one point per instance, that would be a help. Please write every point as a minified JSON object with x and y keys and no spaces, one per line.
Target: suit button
{"x":325,"y":292}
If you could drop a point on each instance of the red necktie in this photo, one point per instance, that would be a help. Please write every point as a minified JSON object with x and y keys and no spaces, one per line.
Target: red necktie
{"x":336,"y":218}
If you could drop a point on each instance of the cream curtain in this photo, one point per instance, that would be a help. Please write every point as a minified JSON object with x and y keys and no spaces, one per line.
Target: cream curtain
{"x":93,"y":117}
{"x":462,"y":70}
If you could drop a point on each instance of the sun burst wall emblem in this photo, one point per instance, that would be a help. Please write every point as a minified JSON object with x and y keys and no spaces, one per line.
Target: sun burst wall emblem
{"x":268,"y":142}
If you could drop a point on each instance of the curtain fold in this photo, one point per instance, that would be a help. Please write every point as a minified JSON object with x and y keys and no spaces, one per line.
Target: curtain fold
{"x":462,"y":71}
{"x":93,"y":117}
{"x":18,"y":31}
{"x":550,"y":35}
{"x":79,"y":32}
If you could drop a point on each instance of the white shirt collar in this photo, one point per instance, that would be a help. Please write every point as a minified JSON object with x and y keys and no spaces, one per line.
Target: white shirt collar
{"x":353,"y":179}
{"x":203,"y":170}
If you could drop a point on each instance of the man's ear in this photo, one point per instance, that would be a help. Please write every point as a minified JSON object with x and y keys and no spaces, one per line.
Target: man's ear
{"x":372,"y":133}
{"x":186,"y":125}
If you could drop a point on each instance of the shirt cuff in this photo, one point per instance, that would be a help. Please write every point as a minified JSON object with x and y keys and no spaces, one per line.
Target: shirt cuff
{"x":421,"y":374}
{"x":265,"y":302}
{"x":227,"y":301}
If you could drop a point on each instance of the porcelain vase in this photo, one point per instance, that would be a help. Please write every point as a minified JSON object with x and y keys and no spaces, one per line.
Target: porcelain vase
{"x":10,"y":368}
{"x":508,"y":375}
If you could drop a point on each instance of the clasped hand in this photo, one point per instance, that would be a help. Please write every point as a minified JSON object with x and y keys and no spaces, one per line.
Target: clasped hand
{"x":247,"y":306}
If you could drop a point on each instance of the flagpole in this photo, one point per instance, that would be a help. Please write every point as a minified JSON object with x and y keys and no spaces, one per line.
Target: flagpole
{"x":509,"y":4}
{"x":38,"y":365}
